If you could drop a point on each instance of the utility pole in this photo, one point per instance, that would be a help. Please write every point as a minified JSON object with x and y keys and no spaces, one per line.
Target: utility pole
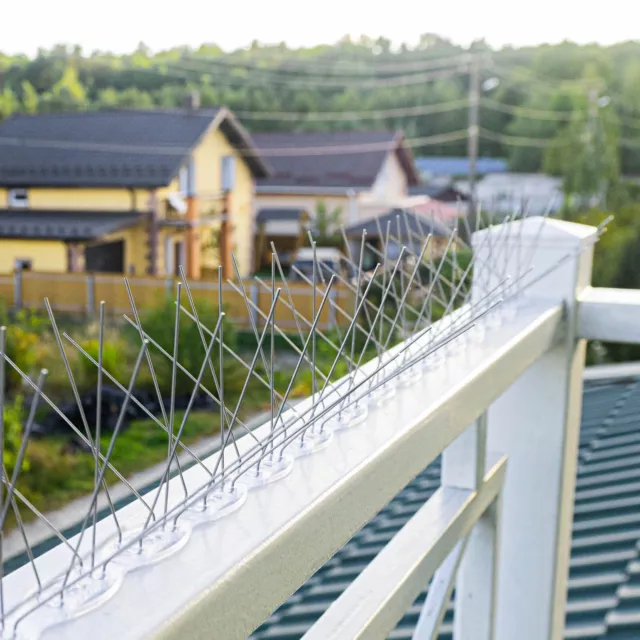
{"x":473,"y":128}
{"x":593,"y":138}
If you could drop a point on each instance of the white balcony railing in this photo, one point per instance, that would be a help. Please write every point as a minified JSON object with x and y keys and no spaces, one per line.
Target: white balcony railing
{"x":504,"y":413}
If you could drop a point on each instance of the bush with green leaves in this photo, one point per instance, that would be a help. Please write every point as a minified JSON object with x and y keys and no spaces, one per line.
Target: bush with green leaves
{"x":114,"y":361}
{"x":13,"y":413}
{"x":158,"y":322}
{"x":22,"y":349}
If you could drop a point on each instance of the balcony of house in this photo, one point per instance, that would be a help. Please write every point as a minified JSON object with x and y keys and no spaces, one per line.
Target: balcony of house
{"x":455,"y":458}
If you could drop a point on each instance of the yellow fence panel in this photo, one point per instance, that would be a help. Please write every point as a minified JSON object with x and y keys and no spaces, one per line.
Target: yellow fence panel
{"x":7,"y":292}
{"x":83,"y":292}
{"x":146,"y":292}
{"x":66,"y":292}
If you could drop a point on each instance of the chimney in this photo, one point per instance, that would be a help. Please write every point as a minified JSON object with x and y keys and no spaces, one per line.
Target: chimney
{"x":192,"y":101}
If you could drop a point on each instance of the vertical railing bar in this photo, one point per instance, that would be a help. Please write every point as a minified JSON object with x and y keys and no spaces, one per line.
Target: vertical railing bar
{"x":439,"y":595}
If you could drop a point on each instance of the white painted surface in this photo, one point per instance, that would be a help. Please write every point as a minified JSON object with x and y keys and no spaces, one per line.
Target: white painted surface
{"x":610,"y":315}
{"x":476,"y":585}
{"x":391,"y":182}
{"x":439,"y":595}
{"x":536,"y":424}
{"x":374,"y":602}
{"x":233,"y":573}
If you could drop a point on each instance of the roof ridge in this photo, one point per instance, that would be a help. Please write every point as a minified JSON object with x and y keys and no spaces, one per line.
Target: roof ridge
{"x":391,"y":132}
{"x":206,"y":112}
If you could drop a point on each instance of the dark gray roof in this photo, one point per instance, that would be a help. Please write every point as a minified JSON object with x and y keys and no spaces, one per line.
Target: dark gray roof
{"x":604,"y":580}
{"x":63,"y":225}
{"x":284,"y":213}
{"x":417,"y":224}
{"x":120,"y":148}
{"x":339,"y":170}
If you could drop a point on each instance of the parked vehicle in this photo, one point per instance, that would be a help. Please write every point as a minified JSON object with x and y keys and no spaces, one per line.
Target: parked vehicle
{"x":329,"y":260}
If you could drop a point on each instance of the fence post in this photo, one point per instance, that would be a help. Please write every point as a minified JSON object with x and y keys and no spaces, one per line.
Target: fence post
{"x":333,"y":301}
{"x":91,"y":295}
{"x":17,"y":289}
{"x":536,"y":424}
{"x":254,"y":292}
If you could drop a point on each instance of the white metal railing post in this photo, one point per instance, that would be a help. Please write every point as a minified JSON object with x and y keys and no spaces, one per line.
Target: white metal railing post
{"x":536,"y":424}
{"x":463,"y":467}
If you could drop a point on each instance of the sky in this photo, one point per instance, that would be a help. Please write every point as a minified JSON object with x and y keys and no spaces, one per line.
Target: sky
{"x":119,"y":25}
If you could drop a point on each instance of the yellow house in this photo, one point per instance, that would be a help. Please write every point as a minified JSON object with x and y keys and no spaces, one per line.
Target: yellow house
{"x":137,"y":192}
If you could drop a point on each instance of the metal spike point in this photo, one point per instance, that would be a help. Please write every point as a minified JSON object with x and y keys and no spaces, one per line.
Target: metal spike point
{"x":27,"y":380}
{"x":247,"y":380}
{"x":135,"y":401}
{"x":369,"y":306}
{"x":305,"y":346}
{"x":154,"y":378}
{"x":189,"y":375}
{"x":166,"y":474}
{"x":254,"y":310}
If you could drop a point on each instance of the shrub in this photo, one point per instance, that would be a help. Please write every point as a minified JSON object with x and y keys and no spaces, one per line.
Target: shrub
{"x":21,"y":348}
{"x":158,"y":323}
{"x":13,"y":413}
{"x":112,"y":361}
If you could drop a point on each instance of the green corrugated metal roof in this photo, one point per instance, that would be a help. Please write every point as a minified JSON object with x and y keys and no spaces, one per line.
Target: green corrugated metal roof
{"x":604,"y":581}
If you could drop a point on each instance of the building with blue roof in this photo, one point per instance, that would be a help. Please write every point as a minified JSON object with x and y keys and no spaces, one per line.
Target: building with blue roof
{"x":439,"y":166}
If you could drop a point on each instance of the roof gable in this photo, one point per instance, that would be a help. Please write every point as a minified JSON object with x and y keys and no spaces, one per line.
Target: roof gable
{"x":299,"y":159}
{"x":116,"y":148}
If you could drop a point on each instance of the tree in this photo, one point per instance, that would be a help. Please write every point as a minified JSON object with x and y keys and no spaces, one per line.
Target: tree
{"x":585,"y":154}
{"x":551,"y":79}
{"x":326,"y":223}
{"x":30,"y":99}
{"x":67,"y":94}
{"x":8,"y":103}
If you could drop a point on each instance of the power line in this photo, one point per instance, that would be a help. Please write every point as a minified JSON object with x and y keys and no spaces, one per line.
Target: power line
{"x":520,"y":141}
{"x":313,"y":83}
{"x":629,"y":121}
{"x":327,"y":116}
{"x":630,"y":144}
{"x":525,"y":112}
{"x":437,"y":139}
{"x":526,"y":75}
{"x":339,"y":67}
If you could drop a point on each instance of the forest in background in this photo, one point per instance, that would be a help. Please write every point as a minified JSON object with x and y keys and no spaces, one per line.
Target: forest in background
{"x":569,"y":110}
{"x":545,"y":99}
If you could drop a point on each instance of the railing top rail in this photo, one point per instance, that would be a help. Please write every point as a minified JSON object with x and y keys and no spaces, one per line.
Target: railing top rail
{"x":304,"y":518}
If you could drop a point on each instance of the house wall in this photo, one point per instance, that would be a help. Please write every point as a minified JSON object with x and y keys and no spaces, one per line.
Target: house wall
{"x":47,"y":255}
{"x":389,"y":187}
{"x":208,"y":169}
{"x":84,"y":199}
{"x":208,"y":163}
{"x":391,"y":182}
{"x":304,"y":201}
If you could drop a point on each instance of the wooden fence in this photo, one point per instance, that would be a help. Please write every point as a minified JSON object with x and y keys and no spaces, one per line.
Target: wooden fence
{"x":82,"y":293}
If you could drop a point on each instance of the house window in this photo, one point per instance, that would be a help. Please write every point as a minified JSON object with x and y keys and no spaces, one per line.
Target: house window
{"x":18,"y":198}
{"x":228,"y":172}
{"x":23,"y":264}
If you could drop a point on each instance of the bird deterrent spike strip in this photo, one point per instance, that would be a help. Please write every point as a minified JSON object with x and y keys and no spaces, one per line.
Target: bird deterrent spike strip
{"x":388,"y":306}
